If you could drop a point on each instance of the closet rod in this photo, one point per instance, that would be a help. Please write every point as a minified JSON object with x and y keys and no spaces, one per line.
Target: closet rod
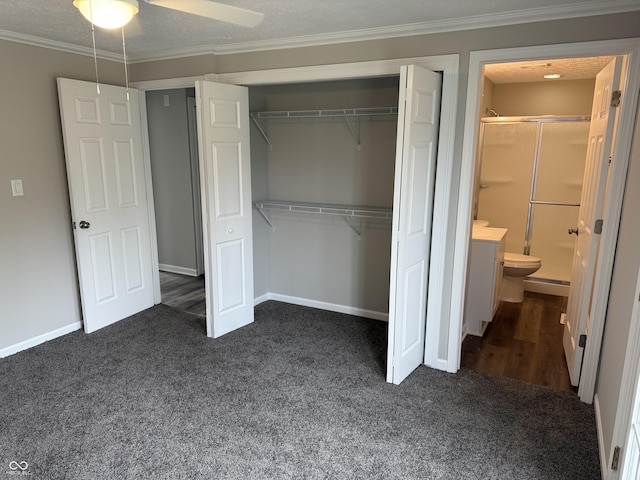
{"x":347,"y":212}
{"x":339,"y":112}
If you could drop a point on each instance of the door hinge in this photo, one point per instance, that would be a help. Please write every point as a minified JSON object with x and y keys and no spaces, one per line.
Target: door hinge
{"x":597,"y":228}
{"x":616,"y":458}
{"x":615,"y":98}
{"x":582,"y":341}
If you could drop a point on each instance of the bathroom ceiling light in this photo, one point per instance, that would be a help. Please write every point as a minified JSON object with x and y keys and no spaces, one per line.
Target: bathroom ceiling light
{"x":552,"y":76}
{"x":107,"y":13}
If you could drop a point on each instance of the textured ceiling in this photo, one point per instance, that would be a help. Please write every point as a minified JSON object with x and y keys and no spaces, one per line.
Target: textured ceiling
{"x":160,"y":33}
{"x":568,"y":68}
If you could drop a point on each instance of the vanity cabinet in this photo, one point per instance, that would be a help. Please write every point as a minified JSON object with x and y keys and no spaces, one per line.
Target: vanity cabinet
{"x":485,"y":278}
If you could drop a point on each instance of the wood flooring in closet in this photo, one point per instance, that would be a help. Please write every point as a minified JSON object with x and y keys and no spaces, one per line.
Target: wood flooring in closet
{"x":183,"y":292}
{"x":524,"y":342}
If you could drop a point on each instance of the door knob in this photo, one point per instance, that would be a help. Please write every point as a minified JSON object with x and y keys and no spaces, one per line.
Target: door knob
{"x":84,"y":224}
{"x":573,"y":230}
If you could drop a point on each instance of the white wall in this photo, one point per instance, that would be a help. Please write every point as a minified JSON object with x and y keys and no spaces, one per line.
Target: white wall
{"x":172,"y":182}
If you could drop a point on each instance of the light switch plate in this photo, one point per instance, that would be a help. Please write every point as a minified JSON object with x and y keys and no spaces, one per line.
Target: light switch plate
{"x":16,"y":188}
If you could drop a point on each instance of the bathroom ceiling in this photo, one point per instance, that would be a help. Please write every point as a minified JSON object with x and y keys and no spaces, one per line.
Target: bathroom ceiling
{"x":162,"y":33}
{"x":568,"y":68}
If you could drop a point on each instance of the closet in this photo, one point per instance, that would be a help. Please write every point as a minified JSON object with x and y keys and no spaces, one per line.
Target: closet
{"x":325,"y":181}
{"x":322,"y":161}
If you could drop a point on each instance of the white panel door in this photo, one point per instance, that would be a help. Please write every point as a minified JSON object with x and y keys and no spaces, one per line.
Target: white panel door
{"x":591,"y":208}
{"x":416,"y":149}
{"x":225,"y":169}
{"x":107,"y":186}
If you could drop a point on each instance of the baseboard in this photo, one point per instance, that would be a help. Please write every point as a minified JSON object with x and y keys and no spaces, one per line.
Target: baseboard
{"x":192,"y":272}
{"x":260,"y":299}
{"x":45,"y":337}
{"x":546,"y":288}
{"x":604,"y":462}
{"x":332,"y":307}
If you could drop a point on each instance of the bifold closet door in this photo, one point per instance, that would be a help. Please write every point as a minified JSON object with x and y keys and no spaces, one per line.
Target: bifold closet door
{"x":225,"y":171}
{"x":416,"y":150}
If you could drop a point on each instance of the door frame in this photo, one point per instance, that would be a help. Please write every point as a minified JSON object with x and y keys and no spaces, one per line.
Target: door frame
{"x":623,"y":138}
{"x":437,"y":353}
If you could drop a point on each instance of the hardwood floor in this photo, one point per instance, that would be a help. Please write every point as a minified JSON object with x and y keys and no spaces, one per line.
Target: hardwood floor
{"x":183,"y":292}
{"x":524,"y":342}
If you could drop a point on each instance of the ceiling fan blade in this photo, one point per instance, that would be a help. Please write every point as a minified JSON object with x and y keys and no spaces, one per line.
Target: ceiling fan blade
{"x":213,"y":10}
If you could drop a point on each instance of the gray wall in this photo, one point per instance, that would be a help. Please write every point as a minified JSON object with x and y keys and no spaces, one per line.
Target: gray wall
{"x":314,"y":257}
{"x":621,"y":299}
{"x":172,"y":179}
{"x":38,"y":282}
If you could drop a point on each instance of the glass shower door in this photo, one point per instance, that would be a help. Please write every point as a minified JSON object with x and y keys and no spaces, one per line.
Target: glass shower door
{"x":508,"y":152}
{"x":556,"y":196}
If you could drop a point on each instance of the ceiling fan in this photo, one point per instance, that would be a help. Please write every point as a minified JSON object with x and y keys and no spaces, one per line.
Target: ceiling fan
{"x":117,"y":13}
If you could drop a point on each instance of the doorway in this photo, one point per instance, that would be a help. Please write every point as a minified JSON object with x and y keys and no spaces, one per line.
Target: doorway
{"x":533,"y":138}
{"x":173,"y":146}
{"x":613,"y":200}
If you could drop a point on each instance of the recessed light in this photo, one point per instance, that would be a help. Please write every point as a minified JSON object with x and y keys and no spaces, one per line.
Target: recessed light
{"x":552,"y":76}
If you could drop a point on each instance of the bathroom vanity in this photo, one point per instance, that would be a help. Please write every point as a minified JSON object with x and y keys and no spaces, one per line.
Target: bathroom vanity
{"x":485,"y":278}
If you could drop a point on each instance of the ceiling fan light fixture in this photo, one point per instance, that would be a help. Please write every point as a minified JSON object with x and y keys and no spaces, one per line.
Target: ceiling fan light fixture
{"x":107,"y":14}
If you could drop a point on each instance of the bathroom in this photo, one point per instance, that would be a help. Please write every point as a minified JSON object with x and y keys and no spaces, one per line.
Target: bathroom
{"x":531,"y":154}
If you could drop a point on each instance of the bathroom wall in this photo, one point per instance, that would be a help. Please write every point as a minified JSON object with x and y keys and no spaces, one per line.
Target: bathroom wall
{"x":550,"y":97}
{"x":507,"y":167}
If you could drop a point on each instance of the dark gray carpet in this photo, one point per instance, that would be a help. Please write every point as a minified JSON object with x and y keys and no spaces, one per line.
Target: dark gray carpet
{"x":298,"y":394}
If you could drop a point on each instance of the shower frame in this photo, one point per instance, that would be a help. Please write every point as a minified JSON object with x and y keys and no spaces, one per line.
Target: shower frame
{"x":540,"y":120}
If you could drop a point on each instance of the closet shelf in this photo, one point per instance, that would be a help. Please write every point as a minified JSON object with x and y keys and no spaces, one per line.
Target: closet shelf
{"x":348,"y":212}
{"x":345,"y":113}
{"x":338,"y":112}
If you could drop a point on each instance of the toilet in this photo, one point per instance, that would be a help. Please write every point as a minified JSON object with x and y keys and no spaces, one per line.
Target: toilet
{"x":516,"y":268}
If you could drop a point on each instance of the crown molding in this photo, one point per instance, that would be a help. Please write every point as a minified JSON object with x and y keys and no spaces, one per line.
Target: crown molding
{"x":60,"y":46}
{"x":561,"y":12}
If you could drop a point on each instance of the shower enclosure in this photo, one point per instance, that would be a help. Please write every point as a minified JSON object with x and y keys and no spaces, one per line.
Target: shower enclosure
{"x":529,"y":181}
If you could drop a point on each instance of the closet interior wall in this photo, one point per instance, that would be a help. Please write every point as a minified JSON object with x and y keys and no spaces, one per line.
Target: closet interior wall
{"x":315,"y":258}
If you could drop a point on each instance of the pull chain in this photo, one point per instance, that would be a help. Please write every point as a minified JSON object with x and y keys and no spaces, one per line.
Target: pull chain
{"x":124,"y":59}
{"x":93,"y":37}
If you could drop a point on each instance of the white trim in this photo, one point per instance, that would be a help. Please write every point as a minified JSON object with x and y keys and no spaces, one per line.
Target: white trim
{"x":601,"y":450}
{"x":332,"y":307}
{"x":167,"y":83}
{"x":192,"y":272}
{"x":151,"y":209}
{"x":59,"y":46}
{"x":337,"y":71}
{"x":477,"y":60}
{"x":45,"y":337}
{"x":556,"y":289}
{"x":261,"y":299}
{"x":196,"y":194}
